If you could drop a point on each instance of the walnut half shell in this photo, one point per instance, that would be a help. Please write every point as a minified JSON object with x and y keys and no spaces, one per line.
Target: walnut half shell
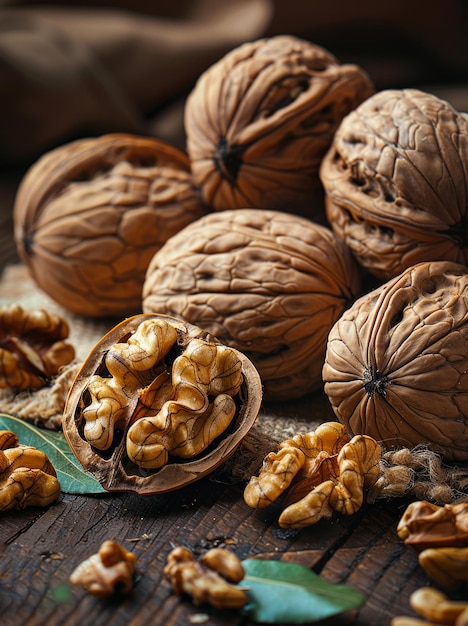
{"x":158,"y":404}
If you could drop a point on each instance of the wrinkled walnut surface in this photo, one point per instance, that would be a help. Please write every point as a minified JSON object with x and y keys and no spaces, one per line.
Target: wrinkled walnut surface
{"x":89,"y":215}
{"x":158,"y":404}
{"x":397,"y":361}
{"x":259,"y":121}
{"x":395,"y":180}
{"x":33,"y":347}
{"x":267,"y":283}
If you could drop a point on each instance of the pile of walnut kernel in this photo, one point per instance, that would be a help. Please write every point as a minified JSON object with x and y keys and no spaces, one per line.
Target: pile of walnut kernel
{"x":303,"y":187}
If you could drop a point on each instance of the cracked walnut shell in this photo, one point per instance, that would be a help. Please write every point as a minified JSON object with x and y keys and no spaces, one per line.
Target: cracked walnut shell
{"x":267,"y":283}
{"x":158,"y":404}
{"x":89,"y":216}
{"x":395,"y":182}
{"x":259,"y":121}
{"x":396,"y":366}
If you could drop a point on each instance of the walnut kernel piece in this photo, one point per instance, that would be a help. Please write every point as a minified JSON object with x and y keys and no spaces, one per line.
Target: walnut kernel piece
{"x":395,"y":179}
{"x":159,"y":403}
{"x":27,"y":477}
{"x":447,"y":567}
{"x":427,"y":525}
{"x":109,"y":571}
{"x":397,"y":360}
{"x":325,"y":471}
{"x":208,"y":579}
{"x":33,"y":347}
{"x":267,"y":283}
{"x":90,"y":214}
{"x":435,"y":606}
{"x":259,"y":121}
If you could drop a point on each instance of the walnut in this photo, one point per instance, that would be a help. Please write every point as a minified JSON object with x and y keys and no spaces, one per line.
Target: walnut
{"x":264,"y":282}
{"x":395,"y":181}
{"x":427,"y":525}
{"x":435,"y":606}
{"x":159,"y":403}
{"x":90,"y":214}
{"x":109,"y":571}
{"x":396,"y":362}
{"x":447,"y":567}
{"x":208,"y":579}
{"x":259,"y":121}
{"x":27,"y":477}
{"x":325,"y":471}
{"x":33,"y":347}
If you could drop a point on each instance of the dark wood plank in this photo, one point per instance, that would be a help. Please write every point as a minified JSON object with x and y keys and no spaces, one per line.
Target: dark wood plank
{"x":41,"y":548}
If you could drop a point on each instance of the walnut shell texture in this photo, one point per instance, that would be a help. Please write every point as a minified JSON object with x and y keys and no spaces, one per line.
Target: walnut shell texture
{"x":396,"y":366}
{"x":395,"y":182}
{"x":89,"y":216}
{"x":259,"y":121}
{"x":267,"y":283}
{"x":143,"y":393}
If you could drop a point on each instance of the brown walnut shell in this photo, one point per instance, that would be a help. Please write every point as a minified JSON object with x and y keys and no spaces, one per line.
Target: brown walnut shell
{"x":259,"y":121}
{"x":395,"y":182}
{"x":267,"y":283}
{"x":89,"y":215}
{"x":111,"y":466}
{"x":396,"y":366}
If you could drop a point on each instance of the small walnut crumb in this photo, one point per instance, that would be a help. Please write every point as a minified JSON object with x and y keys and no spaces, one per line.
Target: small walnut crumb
{"x":206,"y":579}
{"x":108,"y":571}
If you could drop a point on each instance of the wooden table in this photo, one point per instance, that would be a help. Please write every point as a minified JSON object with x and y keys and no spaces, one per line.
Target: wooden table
{"x":39,"y":548}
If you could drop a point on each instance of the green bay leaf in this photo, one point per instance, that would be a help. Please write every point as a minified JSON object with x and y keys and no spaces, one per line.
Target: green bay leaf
{"x":70,"y":474}
{"x":287,"y":593}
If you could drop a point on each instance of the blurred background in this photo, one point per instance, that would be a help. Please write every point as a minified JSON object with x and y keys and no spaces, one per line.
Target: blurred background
{"x":75,"y":69}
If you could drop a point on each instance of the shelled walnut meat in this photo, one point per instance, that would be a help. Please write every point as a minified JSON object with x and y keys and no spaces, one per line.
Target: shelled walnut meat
{"x":259,"y":121}
{"x":267,"y":283}
{"x":158,"y":404}
{"x":395,"y":181}
{"x":33,"y":347}
{"x":396,"y":365}
{"x":90,"y":214}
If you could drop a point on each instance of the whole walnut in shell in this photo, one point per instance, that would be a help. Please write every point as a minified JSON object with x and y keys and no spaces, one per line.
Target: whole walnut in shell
{"x":259,"y":121}
{"x":89,"y":216}
{"x":395,"y":181}
{"x":267,"y":283}
{"x":396,"y":366}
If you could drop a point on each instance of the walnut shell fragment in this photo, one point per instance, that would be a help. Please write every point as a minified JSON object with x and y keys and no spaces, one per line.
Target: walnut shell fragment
{"x":90,"y":214}
{"x":158,"y":404}
{"x":108,"y":571}
{"x":259,"y":121}
{"x":396,"y":366}
{"x":395,"y":182}
{"x":321,"y":472}
{"x":33,"y":347}
{"x":267,"y":283}
{"x":27,"y":477}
